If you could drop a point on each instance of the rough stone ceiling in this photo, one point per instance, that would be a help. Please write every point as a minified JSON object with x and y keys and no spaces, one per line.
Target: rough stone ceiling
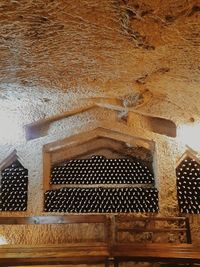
{"x":53,"y":53}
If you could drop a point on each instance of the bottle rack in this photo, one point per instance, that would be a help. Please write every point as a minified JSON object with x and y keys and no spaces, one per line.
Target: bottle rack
{"x":102,"y":185}
{"x":14,"y":187}
{"x":188,"y":186}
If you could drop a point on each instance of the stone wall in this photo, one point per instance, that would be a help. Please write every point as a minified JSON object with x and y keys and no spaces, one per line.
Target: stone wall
{"x":165,"y":156}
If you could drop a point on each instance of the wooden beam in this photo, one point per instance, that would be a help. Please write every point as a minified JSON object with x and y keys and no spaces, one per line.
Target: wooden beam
{"x":83,"y":143}
{"x":107,"y":101}
{"x":40,"y":128}
{"x":162,"y":126}
{"x":97,"y":133}
{"x":152,"y":123}
{"x":46,"y":171}
{"x":92,"y":147}
{"x":68,"y":219}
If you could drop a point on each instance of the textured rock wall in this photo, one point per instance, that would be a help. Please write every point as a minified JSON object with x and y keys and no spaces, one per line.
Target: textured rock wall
{"x":56,"y":53}
{"x":85,"y":48}
{"x":166,"y":153}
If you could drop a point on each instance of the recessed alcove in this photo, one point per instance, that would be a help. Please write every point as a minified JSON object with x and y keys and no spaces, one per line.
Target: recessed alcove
{"x":14,"y":184}
{"x":100,"y":171}
{"x":188,"y":183}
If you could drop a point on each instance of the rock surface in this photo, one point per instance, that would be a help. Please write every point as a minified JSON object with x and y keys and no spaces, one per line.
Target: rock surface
{"x":54,"y":52}
{"x":57,"y":56}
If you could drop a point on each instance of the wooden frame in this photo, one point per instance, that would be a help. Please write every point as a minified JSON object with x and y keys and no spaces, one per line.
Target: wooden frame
{"x":150,"y":227}
{"x":123,"y":251}
{"x":75,"y":253}
{"x":152,"y":123}
{"x":81,"y":144}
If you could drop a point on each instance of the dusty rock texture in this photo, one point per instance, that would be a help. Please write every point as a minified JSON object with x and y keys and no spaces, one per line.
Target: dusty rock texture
{"x":57,"y":55}
{"x":57,"y":49}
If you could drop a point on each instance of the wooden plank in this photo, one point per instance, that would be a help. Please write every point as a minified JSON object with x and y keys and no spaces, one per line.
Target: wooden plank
{"x":188,"y":231}
{"x":87,"y":147}
{"x":40,"y":127}
{"x":85,"y":252}
{"x":46,"y":171}
{"x":32,"y":255}
{"x":121,"y":218}
{"x":154,"y":124}
{"x":184,"y":251}
{"x":149,"y":225}
{"x":151,"y":123}
{"x":51,"y":247}
{"x":69,"y":219}
{"x":54,"y":261}
{"x":153,"y":252}
{"x":153,"y":230}
{"x":98,"y":132}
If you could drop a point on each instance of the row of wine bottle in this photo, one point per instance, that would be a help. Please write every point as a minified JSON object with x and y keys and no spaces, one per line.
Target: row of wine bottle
{"x":83,"y":200}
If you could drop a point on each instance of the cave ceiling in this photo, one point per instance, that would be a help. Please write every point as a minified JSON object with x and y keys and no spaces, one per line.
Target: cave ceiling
{"x":56,"y":53}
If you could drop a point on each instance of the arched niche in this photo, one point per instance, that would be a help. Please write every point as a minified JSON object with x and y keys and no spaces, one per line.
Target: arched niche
{"x":188,"y":182}
{"x":14,"y":184}
{"x":93,"y":156}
